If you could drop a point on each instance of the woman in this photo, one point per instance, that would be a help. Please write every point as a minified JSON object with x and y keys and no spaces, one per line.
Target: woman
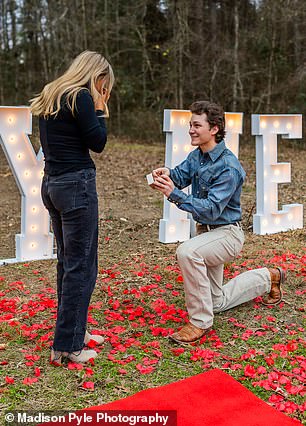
{"x":71,"y":112}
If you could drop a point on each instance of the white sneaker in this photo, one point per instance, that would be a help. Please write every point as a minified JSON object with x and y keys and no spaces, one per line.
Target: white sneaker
{"x":80,"y":356}
{"x":95,"y":337}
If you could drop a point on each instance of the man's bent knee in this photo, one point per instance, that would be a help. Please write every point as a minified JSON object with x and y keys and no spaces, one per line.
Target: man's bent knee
{"x":182,"y":251}
{"x":185,"y":252}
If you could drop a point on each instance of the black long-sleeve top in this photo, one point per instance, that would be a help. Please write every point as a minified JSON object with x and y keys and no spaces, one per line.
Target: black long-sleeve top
{"x":67,"y":139}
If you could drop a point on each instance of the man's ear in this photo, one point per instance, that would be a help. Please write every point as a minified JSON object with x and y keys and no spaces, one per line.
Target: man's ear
{"x":214,"y":130}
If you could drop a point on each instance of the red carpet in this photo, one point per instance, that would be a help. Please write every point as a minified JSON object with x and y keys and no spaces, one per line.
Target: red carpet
{"x":209,"y":399}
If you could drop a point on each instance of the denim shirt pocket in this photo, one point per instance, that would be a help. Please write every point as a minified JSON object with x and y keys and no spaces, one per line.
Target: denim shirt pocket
{"x":204,"y":183}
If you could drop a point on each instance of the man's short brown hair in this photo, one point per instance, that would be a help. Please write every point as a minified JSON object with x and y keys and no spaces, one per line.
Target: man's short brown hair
{"x":214,"y":113}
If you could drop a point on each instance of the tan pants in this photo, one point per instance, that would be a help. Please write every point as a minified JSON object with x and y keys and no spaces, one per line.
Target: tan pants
{"x":202,"y":259}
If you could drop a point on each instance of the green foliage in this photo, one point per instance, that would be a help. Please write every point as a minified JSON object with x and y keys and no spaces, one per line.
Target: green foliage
{"x":165,"y":54}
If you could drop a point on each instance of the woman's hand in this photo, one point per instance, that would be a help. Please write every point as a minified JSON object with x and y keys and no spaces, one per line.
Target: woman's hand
{"x":101,"y":102}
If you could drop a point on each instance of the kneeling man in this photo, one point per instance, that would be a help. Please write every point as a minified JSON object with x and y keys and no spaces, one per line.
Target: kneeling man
{"x":216,"y":177}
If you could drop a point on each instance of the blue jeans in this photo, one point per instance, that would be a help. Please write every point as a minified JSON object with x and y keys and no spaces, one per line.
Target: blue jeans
{"x":72,"y":202}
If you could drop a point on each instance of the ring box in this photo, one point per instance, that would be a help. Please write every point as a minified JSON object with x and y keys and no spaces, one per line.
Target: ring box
{"x":150,"y":179}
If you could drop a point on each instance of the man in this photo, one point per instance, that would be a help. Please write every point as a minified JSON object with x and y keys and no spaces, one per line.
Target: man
{"x":216,"y":177}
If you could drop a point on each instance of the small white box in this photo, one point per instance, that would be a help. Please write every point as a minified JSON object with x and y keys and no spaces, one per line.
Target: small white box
{"x":150,"y":179}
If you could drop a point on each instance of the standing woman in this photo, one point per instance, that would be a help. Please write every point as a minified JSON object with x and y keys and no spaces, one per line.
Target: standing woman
{"x":71,"y":112}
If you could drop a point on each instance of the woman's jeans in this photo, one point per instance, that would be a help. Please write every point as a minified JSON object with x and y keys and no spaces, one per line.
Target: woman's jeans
{"x":71,"y":199}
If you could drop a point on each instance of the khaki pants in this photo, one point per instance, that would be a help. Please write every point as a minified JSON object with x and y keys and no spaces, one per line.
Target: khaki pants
{"x":202,"y":259}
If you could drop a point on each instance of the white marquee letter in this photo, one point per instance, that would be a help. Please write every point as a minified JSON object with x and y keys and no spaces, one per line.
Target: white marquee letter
{"x":176,"y":224}
{"x":269,"y":173}
{"x":35,"y":241}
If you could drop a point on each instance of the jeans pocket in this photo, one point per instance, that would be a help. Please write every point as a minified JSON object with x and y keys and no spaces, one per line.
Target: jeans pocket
{"x":81,"y":195}
{"x":63,"y":195}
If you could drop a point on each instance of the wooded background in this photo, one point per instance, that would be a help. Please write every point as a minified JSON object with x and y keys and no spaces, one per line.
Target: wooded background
{"x":250,"y":56}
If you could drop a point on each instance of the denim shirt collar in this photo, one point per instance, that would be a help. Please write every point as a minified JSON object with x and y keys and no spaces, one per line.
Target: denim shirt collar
{"x":215,"y":153}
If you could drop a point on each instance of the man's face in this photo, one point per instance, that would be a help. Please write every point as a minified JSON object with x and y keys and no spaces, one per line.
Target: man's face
{"x":200,"y":132}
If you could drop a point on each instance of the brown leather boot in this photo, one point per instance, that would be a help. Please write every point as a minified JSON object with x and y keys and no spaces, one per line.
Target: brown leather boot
{"x":275,"y":296}
{"x":189,"y":333}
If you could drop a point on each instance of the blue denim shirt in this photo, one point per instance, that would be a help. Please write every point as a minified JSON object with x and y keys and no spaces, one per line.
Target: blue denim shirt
{"x":216,"y":178}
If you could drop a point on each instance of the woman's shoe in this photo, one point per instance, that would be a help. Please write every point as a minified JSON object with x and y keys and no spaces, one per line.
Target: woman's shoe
{"x":80,"y":357}
{"x":95,"y":337}
{"x":56,"y":358}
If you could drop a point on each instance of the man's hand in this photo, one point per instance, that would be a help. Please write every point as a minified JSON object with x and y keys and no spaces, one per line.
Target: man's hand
{"x":164,"y":184}
{"x":160,"y":171}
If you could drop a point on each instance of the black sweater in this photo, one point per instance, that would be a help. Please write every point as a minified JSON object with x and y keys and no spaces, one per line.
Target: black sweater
{"x":66,"y":140}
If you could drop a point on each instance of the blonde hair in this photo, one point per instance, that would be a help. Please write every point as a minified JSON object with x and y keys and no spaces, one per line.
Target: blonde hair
{"x":84,"y":72}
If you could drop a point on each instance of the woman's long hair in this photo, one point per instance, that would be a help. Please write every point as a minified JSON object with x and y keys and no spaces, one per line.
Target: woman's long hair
{"x":84,"y":72}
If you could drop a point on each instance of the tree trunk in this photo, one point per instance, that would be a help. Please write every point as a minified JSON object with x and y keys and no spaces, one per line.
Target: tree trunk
{"x":236,"y":58}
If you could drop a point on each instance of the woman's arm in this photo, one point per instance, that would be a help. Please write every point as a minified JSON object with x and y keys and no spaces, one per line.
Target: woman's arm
{"x":91,"y":122}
